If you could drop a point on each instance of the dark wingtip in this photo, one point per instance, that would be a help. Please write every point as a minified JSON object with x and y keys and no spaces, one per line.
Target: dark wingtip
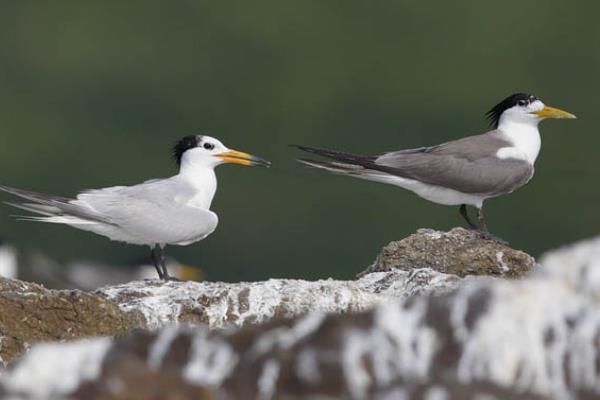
{"x":309,"y":149}
{"x":298,"y":146}
{"x":309,"y":163}
{"x":306,"y":161}
{"x":8,"y":189}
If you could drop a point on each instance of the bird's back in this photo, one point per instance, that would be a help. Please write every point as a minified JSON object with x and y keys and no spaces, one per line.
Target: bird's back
{"x":468,"y":165}
{"x":157,"y":211}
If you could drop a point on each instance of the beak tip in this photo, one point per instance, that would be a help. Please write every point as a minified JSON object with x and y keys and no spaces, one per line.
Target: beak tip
{"x":238,"y":157}
{"x":262,"y":162}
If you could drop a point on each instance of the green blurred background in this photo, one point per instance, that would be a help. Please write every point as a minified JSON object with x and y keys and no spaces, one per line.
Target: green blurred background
{"x":93,"y":94}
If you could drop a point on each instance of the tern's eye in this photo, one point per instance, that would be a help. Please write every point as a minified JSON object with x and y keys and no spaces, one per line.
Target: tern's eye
{"x":209,"y":146}
{"x":522,"y":103}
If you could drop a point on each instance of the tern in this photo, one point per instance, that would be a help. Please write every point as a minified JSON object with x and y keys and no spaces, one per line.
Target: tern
{"x":155,"y":213}
{"x":90,"y":275}
{"x":462,"y":172}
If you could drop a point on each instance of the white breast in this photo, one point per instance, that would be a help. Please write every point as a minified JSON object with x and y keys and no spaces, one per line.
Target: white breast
{"x":525,"y":139}
{"x":204,"y":184}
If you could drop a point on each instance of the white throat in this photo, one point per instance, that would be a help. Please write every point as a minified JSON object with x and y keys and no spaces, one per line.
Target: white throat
{"x":525,"y":139}
{"x":202,"y":179}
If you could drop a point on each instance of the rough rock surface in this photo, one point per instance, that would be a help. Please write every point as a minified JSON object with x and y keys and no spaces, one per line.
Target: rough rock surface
{"x":460,"y":252}
{"x":152,"y":304}
{"x":575,"y":256}
{"x":30,"y":313}
{"x":57,"y":315}
{"x":535,"y":338}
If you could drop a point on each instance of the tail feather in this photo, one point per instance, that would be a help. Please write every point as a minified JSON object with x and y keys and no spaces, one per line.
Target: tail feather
{"x":31,"y":218}
{"x":347,"y":163}
{"x":348,"y":158}
{"x":35,"y":208}
{"x":355,"y":171}
{"x":332,"y":166}
{"x":53,"y":208}
{"x":36,"y":197}
{"x":58,"y":219}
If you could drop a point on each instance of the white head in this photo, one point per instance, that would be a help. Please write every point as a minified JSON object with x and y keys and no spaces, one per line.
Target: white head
{"x":523,"y":108}
{"x":206,"y":151}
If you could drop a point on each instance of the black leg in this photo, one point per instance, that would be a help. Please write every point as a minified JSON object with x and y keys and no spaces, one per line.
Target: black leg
{"x":481,"y":219}
{"x":465,"y":215}
{"x":483,"y":229}
{"x":163,"y":263}
{"x":155,"y":255}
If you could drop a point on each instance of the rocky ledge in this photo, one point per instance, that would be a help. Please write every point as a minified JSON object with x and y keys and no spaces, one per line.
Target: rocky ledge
{"x":400,"y":331}
{"x":30,"y":313}
{"x":460,"y":252}
{"x":533,"y":338}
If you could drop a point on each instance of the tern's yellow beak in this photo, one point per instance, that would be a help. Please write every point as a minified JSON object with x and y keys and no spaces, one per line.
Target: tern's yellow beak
{"x":551,"y":112}
{"x":238,"y":157}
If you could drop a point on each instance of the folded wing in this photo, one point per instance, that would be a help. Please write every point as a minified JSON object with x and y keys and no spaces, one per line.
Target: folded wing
{"x":467,"y":165}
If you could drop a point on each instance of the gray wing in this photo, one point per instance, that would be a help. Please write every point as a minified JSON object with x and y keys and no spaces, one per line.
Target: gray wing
{"x":139,"y":202}
{"x":144,"y":207}
{"x":467,"y":165}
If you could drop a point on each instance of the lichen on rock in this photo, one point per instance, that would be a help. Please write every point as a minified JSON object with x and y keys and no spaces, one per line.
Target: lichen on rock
{"x":414,"y":333}
{"x":31,"y":313}
{"x":426,"y":262}
{"x":521,"y":339}
{"x":459,"y":251}
{"x":152,"y":304}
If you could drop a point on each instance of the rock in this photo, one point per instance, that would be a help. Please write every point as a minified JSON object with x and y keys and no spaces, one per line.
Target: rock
{"x":574,"y":256}
{"x":153,"y":304}
{"x":577,"y":264}
{"x":126,"y":373}
{"x":30,"y":313}
{"x":534,"y":338}
{"x":460,"y":252}
{"x":425,"y":261}
{"x":429,"y":261}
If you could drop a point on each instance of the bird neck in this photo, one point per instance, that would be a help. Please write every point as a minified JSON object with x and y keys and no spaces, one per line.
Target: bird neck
{"x":203,"y":181}
{"x":524,"y":136}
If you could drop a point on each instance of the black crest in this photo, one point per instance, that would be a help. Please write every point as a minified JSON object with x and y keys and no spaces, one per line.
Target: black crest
{"x":494,"y":114}
{"x":183,"y":145}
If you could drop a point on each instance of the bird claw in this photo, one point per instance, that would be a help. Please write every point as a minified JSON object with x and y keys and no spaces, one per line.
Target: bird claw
{"x":170,"y":279}
{"x":485,"y":235}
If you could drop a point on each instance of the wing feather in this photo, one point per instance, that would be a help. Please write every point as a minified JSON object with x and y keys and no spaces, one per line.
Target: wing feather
{"x":53,"y":206}
{"x":468,"y":165}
